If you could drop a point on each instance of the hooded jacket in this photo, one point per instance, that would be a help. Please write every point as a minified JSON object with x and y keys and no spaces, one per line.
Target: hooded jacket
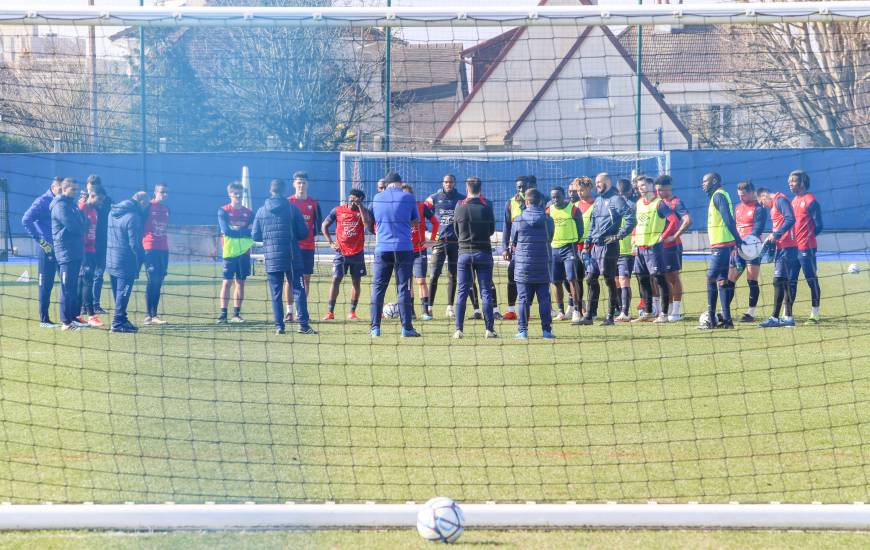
{"x":37,"y":219}
{"x":68,"y":228}
{"x":531,"y":234}
{"x":280,"y":226}
{"x":124,"y":240}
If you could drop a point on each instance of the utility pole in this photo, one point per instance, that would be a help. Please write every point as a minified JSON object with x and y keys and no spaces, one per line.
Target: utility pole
{"x":143,"y":142}
{"x":92,"y":47}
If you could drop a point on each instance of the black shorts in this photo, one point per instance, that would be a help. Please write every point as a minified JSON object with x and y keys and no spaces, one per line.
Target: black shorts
{"x":238,"y":268}
{"x":625,"y":265}
{"x":307,"y":262}
{"x":564,"y":262}
{"x":421,"y":264}
{"x":604,"y":260}
{"x":355,"y":265}
{"x":674,"y":258}
{"x":650,"y":260}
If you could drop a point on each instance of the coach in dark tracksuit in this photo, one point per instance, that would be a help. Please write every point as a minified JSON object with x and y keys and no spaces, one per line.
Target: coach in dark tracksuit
{"x":37,"y":222}
{"x":280,"y":226}
{"x":612,"y":219}
{"x":68,"y":227}
{"x":474,"y":224}
{"x":531,"y":234}
{"x":124,"y":254}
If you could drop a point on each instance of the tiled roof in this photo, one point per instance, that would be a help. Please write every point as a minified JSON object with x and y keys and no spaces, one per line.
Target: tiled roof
{"x":695,"y":53}
{"x":416,"y":66}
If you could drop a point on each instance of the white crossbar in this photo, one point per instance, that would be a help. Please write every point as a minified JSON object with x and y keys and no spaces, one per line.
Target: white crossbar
{"x":30,"y":13}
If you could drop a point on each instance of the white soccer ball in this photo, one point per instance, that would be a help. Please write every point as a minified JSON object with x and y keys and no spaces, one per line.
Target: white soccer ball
{"x":391,"y":310}
{"x":751,"y":248}
{"x":440,"y":520}
{"x":854,"y":268}
{"x":703,"y":319}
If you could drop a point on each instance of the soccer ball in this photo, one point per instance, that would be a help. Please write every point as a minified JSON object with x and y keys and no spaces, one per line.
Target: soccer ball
{"x":751,"y":248}
{"x":391,"y":310}
{"x":440,"y":520}
{"x":703,"y":319}
{"x":854,"y":268}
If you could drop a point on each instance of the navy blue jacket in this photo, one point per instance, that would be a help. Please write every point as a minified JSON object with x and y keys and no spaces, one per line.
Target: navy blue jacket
{"x":103,"y":227}
{"x":37,"y":219}
{"x":444,"y":205}
{"x":530,"y":235}
{"x":280,"y":226}
{"x":124,"y":252}
{"x":608,"y":211}
{"x":68,"y":228}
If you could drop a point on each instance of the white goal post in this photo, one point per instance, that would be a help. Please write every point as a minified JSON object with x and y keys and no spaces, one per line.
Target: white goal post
{"x":481,"y":516}
{"x":458,"y":15}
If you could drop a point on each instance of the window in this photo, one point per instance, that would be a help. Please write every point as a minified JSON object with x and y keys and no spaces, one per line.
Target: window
{"x":720,"y":119}
{"x":595,"y":87}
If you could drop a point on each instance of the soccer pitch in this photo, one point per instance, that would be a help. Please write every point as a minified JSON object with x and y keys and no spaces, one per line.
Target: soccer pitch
{"x":192,"y":412}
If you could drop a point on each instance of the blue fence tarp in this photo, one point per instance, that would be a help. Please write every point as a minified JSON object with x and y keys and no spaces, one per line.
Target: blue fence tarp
{"x":198,"y":180}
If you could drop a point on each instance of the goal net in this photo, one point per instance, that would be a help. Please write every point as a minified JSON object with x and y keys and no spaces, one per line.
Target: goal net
{"x":197,"y":408}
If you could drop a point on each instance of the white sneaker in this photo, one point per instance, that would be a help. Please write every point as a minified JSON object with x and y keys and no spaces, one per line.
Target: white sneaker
{"x":576,"y":315}
{"x":675,"y":317}
{"x":146,"y":321}
{"x":457,"y":335}
{"x":561,"y":316}
{"x":662,"y":318}
{"x":449,"y":312}
{"x":622,"y":318}
{"x":157,"y":321}
{"x":490,"y":334}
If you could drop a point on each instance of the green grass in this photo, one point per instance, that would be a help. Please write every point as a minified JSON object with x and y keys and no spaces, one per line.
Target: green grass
{"x":408,"y":538}
{"x":191,"y":412}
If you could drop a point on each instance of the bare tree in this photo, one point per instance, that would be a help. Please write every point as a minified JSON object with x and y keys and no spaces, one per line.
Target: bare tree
{"x":46,"y":102}
{"x":816,"y":75}
{"x":305,"y":86}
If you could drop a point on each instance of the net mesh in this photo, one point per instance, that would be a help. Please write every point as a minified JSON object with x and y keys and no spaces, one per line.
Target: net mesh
{"x":193,"y":411}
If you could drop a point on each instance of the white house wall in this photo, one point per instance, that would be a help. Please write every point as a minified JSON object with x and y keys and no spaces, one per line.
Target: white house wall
{"x":563,"y":119}
{"x":511,"y":85}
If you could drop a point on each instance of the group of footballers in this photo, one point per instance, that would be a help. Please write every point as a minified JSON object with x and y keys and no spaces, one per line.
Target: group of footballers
{"x":81,"y":235}
{"x":597,"y":229}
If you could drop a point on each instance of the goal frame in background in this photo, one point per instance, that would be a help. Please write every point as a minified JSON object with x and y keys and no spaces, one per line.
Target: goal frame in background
{"x":220,"y":516}
{"x":347,"y":157}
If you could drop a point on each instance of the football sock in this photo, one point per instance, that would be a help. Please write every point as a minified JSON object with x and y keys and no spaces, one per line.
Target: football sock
{"x":331,"y":306}
{"x":625,"y":296}
{"x":353,"y":304}
{"x":237,"y":311}
{"x":665,"y":291}
{"x":223,"y":313}
{"x":712,"y":294}
{"x":726,"y":293}
{"x":754,"y":292}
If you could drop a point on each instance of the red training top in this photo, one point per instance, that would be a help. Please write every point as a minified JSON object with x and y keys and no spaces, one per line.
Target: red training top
{"x":583,"y":206}
{"x":674,"y":222}
{"x":91,"y":234}
{"x":156,"y":235}
{"x":349,"y":230}
{"x":418,"y":234}
{"x":804,"y":226}
{"x":744,"y":217}
{"x":787,"y":239}
{"x":311,"y":212}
